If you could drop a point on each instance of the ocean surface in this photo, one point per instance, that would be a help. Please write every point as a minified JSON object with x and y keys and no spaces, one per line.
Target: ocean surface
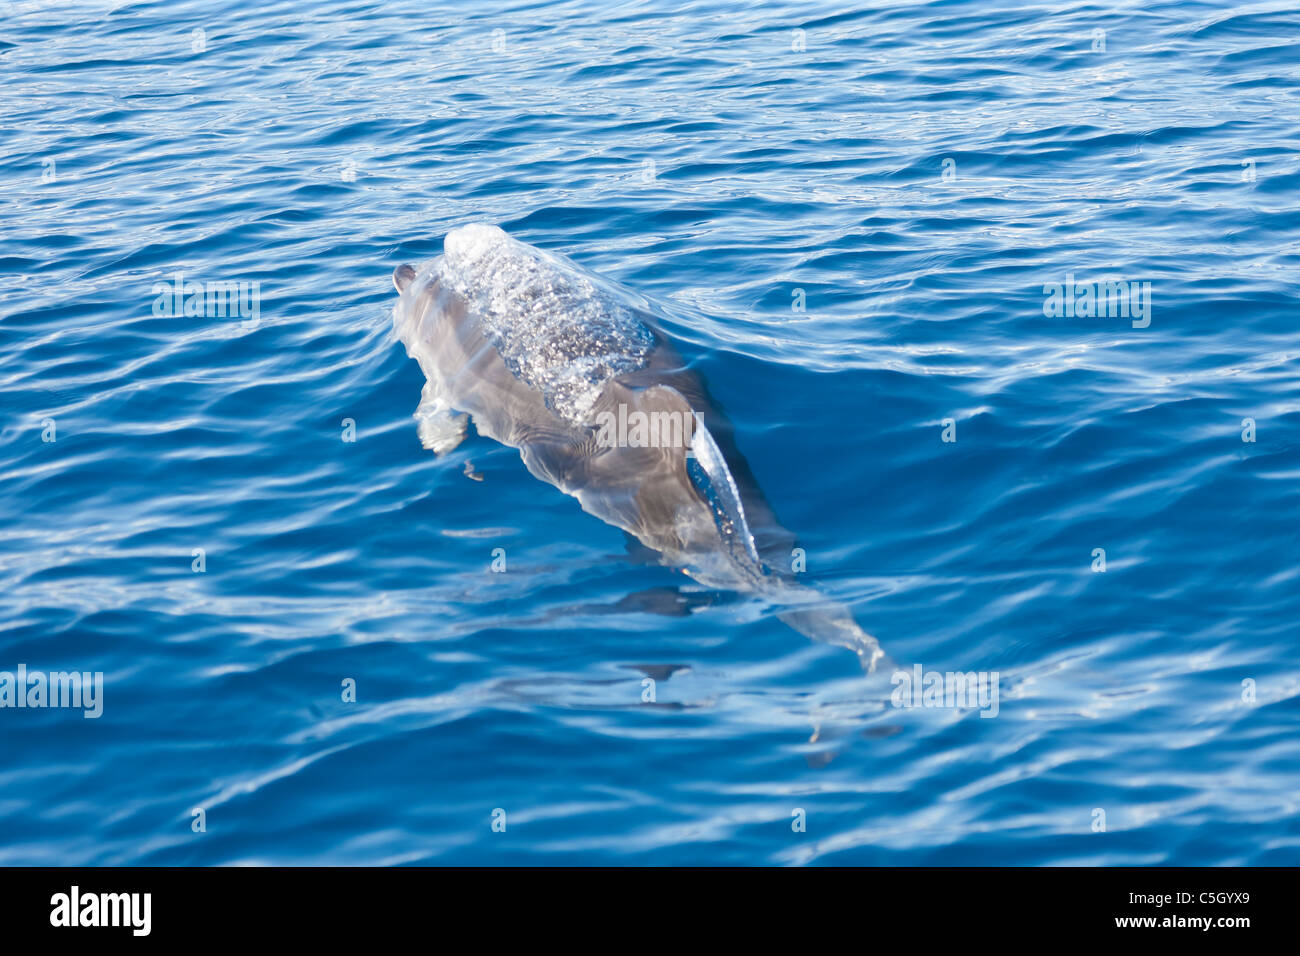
{"x":870,"y":213}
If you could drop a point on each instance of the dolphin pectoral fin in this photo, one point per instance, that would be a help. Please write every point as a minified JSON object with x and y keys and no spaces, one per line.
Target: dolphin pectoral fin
{"x":442,"y":432}
{"x":440,"y":429}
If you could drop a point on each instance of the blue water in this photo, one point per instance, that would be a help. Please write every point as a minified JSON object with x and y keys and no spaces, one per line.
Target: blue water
{"x":708,"y":154}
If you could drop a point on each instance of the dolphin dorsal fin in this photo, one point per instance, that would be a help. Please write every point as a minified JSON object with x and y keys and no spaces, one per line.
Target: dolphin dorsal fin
{"x":712,"y":478}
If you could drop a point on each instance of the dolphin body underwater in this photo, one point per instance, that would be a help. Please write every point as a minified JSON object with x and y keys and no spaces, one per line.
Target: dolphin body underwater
{"x":549,"y":358}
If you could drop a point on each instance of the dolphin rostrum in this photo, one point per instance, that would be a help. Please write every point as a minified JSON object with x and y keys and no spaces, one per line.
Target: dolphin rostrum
{"x":575,"y":372}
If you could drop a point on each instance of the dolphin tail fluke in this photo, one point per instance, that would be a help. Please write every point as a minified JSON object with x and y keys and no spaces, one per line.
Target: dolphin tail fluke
{"x":831,"y":623}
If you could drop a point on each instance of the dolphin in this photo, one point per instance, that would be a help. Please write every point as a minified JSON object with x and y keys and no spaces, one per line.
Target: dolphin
{"x":575,"y":372}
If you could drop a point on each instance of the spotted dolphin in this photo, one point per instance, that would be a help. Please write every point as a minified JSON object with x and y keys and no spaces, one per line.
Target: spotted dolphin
{"x":576,"y":373}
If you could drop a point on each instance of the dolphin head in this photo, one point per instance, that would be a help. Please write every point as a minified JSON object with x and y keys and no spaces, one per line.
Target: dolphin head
{"x":403,"y":275}
{"x":413,"y":293}
{"x":466,"y":249}
{"x":464,"y":244}
{"x":421,"y":305}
